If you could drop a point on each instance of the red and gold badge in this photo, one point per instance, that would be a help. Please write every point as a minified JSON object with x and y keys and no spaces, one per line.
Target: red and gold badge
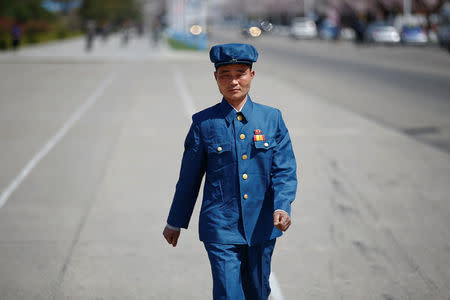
{"x":258,"y":136}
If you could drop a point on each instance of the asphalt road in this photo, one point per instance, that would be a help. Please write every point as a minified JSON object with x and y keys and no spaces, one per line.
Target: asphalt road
{"x":404,"y":88}
{"x":90,"y":152}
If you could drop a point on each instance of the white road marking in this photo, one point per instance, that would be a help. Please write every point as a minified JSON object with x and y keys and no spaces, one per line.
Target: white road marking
{"x":275,"y":287}
{"x":183,"y":91}
{"x":55,"y":140}
{"x":189,"y":108}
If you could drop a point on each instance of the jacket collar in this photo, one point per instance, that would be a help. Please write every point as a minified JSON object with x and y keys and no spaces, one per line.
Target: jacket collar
{"x":229,"y":113}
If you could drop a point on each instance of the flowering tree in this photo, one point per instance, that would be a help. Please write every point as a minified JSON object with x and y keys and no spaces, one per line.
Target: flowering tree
{"x":378,"y":8}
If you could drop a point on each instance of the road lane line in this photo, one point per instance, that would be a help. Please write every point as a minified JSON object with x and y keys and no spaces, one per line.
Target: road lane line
{"x":275,"y":287}
{"x":55,"y":139}
{"x":189,"y":106}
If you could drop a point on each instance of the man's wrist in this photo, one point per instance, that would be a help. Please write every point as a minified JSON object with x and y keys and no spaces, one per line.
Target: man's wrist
{"x":173,"y":227}
{"x":279,"y":210}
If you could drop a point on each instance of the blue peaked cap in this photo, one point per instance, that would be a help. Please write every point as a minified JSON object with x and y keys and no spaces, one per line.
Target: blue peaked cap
{"x":233,"y":54}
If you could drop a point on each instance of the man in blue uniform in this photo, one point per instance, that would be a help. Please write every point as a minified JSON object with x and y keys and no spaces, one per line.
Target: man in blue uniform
{"x":245,"y":150}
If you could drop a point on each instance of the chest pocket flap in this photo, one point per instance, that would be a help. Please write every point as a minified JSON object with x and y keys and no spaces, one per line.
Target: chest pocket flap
{"x":219,"y":148}
{"x":268,"y":144}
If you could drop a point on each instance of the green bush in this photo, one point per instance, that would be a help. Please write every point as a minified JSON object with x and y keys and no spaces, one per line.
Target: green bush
{"x":4,"y":41}
{"x":62,"y":33}
{"x":25,"y":10}
{"x":37,"y":24}
{"x":6,"y":25}
{"x":177,"y":45}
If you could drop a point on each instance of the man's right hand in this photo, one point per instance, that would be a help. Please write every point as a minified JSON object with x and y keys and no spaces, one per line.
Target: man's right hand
{"x":171,"y":236}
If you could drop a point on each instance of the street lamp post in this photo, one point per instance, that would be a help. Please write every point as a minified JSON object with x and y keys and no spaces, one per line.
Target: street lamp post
{"x":406,"y":7}
{"x":308,"y":7}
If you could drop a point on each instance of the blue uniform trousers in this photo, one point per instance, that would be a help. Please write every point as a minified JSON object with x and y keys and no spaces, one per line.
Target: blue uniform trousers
{"x":240,"y":272}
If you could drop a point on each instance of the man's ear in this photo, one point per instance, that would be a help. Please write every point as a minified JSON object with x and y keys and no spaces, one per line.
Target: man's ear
{"x":215,"y":75}
{"x":252,"y":73}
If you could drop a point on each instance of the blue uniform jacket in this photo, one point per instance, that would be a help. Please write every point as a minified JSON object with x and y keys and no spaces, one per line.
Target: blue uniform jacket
{"x":247,"y":177}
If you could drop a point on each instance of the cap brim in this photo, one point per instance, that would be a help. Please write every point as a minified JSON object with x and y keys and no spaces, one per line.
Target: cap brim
{"x":246,"y":62}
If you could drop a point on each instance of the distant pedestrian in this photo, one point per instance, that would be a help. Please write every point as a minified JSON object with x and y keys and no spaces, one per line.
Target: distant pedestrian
{"x":358,"y":26}
{"x":126,"y":32}
{"x":16,"y":35}
{"x":156,"y":31}
{"x":140,"y":29}
{"x":105,"y":29}
{"x":245,"y":151}
{"x":91,"y":27}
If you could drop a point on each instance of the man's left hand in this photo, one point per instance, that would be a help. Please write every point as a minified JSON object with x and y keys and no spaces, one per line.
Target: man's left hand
{"x":281,"y":220}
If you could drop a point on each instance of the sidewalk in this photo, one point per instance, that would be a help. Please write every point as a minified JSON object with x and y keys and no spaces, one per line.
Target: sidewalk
{"x":112,"y":49}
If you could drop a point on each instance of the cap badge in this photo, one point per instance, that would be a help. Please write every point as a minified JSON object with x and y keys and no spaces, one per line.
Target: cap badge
{"x":233,"y":60}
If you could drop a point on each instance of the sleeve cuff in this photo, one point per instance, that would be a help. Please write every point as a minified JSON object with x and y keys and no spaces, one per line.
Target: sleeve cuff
{"x":285,"y":206}
{"x":173,"y":227}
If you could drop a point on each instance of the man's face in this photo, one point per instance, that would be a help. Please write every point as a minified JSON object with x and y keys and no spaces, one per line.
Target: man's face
{"x":234,"y":81}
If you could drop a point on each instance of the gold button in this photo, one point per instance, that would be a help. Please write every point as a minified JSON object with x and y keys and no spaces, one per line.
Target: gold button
{"x":266,"y":144}
{"x":242,"y":136}
{"x":219,"y":148}
{"x":245,"y":196}
{"x":239,"y":117}
{"x":244,"y":157}
{"x":244,"y":176}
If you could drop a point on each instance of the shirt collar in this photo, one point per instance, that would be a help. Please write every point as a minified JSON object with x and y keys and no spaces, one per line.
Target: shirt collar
{"x":229,"y":112}
{"x":235,"y":108}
